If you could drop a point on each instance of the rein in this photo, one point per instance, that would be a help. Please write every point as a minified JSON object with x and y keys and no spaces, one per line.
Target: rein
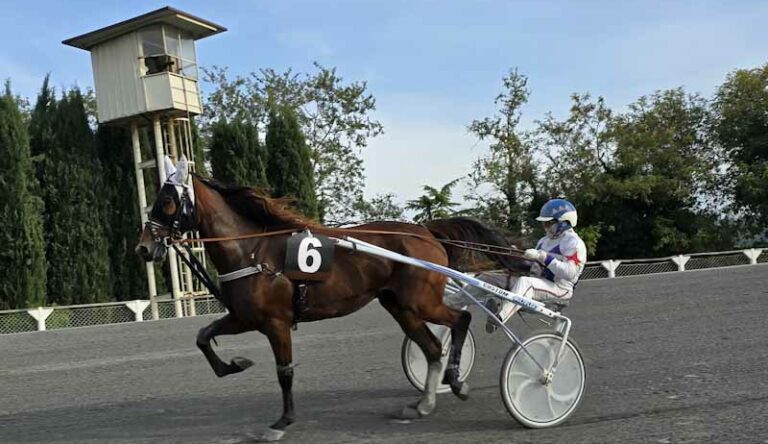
{"x":205,"y":240}
{"x":198,"y":270}
{"x":176,"y":237}
{"x":472,"y":246}
{"x":484,"y":248}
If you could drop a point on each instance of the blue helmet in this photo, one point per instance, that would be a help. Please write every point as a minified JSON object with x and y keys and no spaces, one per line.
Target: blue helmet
{"x":561,"y":211}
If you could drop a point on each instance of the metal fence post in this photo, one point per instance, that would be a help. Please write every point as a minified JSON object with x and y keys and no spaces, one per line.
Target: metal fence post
{"x":611,"y":265}
{"x":40,"y":314}
{"x":137,"y":307}
{"x":680,"y":261}
{"x":753,"y":254}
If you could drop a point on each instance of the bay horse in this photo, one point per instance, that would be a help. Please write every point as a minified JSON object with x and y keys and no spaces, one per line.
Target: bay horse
{"x":264,"y":301}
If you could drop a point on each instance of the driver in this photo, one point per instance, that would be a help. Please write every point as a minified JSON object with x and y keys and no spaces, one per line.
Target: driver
{"x":558,"y":261}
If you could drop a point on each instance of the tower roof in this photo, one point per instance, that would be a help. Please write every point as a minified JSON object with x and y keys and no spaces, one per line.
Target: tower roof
{"x":197,"y":27}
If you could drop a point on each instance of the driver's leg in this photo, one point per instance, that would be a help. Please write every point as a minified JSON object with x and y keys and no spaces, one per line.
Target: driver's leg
{"x":531,"y":287}
{"x":457,"y":299}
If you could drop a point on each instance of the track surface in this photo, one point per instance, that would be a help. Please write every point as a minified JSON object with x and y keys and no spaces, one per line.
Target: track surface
{"x":678,"y":357}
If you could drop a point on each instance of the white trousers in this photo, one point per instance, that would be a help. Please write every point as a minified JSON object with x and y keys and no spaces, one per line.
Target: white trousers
{"x":531,"y":287}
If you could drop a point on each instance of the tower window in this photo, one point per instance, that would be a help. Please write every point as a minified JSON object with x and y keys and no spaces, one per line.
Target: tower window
{"x":167,"y":49}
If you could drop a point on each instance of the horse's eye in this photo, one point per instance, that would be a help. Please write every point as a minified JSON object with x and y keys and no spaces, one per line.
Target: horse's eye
{"x":169,"y":206}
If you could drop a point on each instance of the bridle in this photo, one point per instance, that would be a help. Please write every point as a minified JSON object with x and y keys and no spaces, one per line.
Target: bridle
{"x":183,"y":220}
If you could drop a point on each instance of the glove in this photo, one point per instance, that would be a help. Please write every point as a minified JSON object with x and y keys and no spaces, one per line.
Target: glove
{"x":536,"y":255}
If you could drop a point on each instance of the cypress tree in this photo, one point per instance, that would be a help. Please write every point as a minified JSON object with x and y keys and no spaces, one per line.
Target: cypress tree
{"x":41,"y":128}
{"x":289,"y":167}
{"x":236,"y":154}
{"x":121,"y":219}
{"x":199,"y":152}
{"x":22,"y":255}
{"x":78,"y":262}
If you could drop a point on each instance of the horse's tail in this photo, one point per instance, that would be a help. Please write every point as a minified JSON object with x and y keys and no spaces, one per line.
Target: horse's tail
{"x":469,"y":229}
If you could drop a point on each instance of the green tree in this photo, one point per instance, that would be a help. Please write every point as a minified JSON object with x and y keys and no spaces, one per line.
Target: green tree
{"x":334,"y":117}
{"x":236,"y":154}
{"x":41,"y":127}
{"x":76,"y":242}
{"x":118,"y":196}
{"x":508,"y":167}
{"x":379,"y":207}
{"x":22,"y":256}
{"x":198,"y":148}
{"x":741,"y":127}
{"x":289,"y":170}
{"x":651,"y":195}
{"x":577,"y":154}
{"x":641,"y":180}
{"x":434,"y":204}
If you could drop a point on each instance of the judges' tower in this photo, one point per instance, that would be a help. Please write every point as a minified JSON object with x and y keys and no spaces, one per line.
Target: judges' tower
{"x":145,"y":72}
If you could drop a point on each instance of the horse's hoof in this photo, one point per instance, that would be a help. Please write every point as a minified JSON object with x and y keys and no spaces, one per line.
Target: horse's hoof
{"x":462,"y":391}
{"x":450,"y":376}
{"x":241,"y":363}
{"x":269,"y":435}
{"x":409,"y":413}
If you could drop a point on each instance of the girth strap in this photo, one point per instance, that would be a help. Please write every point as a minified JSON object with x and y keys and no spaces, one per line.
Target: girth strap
{"x":299,"y":301}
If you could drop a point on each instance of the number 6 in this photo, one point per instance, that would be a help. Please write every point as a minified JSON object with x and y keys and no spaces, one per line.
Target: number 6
{"x":306,"y":252}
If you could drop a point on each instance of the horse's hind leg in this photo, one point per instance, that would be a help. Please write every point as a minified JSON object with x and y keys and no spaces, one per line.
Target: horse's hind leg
{"x":417,"y":331}
{"x":458,"y":335}
{"x":228,"y":325}
{"x":458,"y":321}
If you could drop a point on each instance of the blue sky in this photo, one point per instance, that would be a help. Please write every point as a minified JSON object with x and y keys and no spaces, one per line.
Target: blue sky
{"x":433,"y":66}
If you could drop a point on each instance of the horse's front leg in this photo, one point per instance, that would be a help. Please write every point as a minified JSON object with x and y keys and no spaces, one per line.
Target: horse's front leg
{"x":279,"y":335}
{"x":228,"y":325}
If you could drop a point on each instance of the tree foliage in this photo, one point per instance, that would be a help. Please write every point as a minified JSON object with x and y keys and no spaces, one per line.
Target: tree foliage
{"x":642,"y":180}
{"x":22,"y":256}
{"x":127,"y":275}
{"x":380,"y":207}
{"x":662,"y":155}
{"x":508,"y":166}
{"x":741,"y":127}
{"x":76,"y":241}
{"x":434,"y":204}
{"x":577,"y":153}
{"x":333,"y":115}
{"x":289,"y":170}
{"x":236,"y":154}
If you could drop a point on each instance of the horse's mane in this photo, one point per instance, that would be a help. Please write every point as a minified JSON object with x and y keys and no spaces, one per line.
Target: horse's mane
{"x":257,"y":206}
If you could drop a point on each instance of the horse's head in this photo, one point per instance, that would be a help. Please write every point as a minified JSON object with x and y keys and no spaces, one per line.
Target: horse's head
{"x":172,"y":215}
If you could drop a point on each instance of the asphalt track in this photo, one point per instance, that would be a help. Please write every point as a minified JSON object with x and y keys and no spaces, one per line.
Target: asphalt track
{"x":678,"y":357}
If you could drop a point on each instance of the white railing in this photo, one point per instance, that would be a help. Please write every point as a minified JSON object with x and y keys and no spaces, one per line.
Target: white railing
{"x":697,"y":261}
{"x":67,"y":316}
{"x":57,"y":317}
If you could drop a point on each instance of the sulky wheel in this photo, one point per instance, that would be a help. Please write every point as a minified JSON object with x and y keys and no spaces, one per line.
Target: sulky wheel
{"x":415,"y":364}
{"x":530,"y":398}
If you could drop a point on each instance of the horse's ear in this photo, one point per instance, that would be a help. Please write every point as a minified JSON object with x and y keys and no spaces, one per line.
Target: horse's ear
{"x":182,"y":170}
{"x":170,"y":170}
